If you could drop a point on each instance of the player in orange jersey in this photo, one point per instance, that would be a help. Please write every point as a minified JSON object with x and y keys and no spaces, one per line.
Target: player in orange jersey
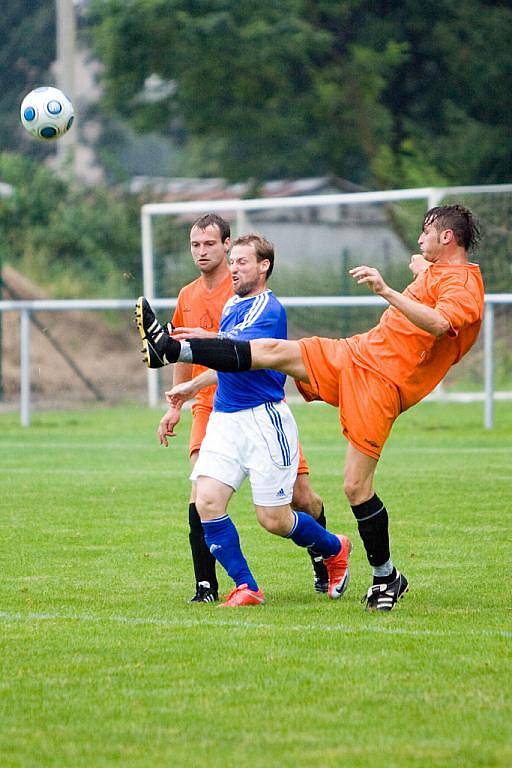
{"x":374,"y":376}
{"x":200,"y":305}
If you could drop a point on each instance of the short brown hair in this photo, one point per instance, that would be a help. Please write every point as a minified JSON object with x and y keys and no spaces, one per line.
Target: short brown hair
{"x":212,"y":220}
{"x":262,"y":248}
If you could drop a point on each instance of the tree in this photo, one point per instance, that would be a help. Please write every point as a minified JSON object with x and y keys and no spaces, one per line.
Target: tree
{"x":27,"y":31}
{"x":382,"y":92}
{"x":254,"y":90}
{"x":79,"y":241}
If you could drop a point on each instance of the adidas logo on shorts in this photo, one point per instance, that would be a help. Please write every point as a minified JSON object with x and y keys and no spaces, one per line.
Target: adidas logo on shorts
{"x":280,"y":493}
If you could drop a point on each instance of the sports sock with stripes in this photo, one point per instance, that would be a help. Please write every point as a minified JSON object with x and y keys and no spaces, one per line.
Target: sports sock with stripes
{"x":223,"y":541}
{"x":204,"y":561}
{"x":306,"y":532}
{"x":372,"y":522}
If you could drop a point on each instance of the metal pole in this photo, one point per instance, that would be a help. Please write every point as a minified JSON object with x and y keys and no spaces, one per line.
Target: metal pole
{"x":345,"y":291}
{"x":241,"y":222}
{"x":1,"y":329}
{"x":148,"y":281}
{"x":65,"y":74}
{"x":489,"y":365}
{"x":25,"y":367}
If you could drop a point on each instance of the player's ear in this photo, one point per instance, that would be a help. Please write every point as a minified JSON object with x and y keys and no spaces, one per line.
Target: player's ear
{"x":264,"y":265}
{"x":227,"y":244}
{"x":447,"y":236}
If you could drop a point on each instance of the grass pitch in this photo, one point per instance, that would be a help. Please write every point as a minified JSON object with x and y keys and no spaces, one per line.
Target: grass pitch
{"x":105,"y":663}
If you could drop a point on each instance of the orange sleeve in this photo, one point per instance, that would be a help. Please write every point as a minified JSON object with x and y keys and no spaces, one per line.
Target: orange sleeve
{"x":458,"y":302}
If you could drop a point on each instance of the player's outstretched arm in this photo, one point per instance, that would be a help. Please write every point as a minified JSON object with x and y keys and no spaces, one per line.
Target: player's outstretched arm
{"x":426,"y":318}
{"x":185,"y":332}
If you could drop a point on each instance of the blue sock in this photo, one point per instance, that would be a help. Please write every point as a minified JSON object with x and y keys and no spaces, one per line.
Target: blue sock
{"x":223,"y":541}
{"x":306,"y":532}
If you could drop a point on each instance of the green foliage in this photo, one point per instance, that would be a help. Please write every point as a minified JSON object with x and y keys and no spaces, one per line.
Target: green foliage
{"x":275,"y":89}
{"x":78,"y":241}
{"x":389,"y":94}
{"x":27,"y":31}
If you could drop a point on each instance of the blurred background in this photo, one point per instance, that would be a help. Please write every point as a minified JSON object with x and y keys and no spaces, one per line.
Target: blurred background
{"x":206,"y":100}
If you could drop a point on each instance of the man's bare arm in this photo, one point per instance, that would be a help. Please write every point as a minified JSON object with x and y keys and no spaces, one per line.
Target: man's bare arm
{"x":426,"y":318}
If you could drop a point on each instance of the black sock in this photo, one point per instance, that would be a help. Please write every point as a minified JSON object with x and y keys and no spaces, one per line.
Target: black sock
{"x":372,"y":521}
{"x":222,"y":354}
{"x":314,"y":554}
{"x":204,"y":561}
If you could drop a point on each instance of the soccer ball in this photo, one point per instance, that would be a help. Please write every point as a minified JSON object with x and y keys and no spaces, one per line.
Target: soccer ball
{"x":47,"y":113}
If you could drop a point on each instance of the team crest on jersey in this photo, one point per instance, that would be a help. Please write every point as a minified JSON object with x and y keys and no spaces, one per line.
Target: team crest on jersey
{"x":206,"y":321}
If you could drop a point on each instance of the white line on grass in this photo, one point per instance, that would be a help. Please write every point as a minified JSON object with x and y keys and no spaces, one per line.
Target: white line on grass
{"x":244,"y":624}
{"x":9,"y":444}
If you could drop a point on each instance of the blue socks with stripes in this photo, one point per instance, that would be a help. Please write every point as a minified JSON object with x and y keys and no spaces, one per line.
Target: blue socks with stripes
{"x":306,"y":532}
{"x":223,"y":541}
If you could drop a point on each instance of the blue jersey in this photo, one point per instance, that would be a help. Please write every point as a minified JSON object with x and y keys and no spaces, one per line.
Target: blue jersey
{"x":254,"y":317}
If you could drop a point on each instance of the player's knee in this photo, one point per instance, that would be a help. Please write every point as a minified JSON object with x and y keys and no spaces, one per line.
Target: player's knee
{"x":208,"y":507}
{"x":357,"y":489}
{"x":277,"y":524}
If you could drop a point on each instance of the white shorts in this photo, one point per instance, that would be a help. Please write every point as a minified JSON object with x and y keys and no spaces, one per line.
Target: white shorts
{"x":261,"y":443}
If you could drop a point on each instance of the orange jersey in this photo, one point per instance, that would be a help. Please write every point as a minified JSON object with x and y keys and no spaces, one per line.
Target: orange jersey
{"x":199,"y":308}
{"x":415,"y":360}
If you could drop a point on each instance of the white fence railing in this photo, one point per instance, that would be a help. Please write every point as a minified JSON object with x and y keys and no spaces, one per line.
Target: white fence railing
{"x":25,"y":307}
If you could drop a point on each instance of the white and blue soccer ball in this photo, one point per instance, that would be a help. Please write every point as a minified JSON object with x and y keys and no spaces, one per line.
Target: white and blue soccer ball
{"x":47,"y":113}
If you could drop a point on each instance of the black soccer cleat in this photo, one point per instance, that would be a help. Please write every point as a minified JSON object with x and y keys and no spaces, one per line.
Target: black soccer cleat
{"x":321,"y":577}
{"x":384,"y":597}
{"x":204,"y":593}
{"x":156,"y":342}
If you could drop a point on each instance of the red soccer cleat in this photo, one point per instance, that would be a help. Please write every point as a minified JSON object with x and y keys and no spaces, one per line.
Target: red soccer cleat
{"x":242,"y":595}
{"x":337,"y":568}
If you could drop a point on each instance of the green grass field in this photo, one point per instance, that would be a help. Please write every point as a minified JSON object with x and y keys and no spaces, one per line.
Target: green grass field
{"x":105,"y":663}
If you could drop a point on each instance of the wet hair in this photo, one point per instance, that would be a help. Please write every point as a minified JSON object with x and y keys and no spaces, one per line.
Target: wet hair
{"x":212,"y":220}
{"x":262,"y":248}
{"x":457,"y":218}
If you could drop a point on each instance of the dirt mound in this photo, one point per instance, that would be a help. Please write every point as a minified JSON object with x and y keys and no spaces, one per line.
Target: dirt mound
{"x":75,"y":356}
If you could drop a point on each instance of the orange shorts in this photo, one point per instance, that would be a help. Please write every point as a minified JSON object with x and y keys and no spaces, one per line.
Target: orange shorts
{"x":368,"y":404}
{"x":200,"y":416}
{"x":303,"y":468}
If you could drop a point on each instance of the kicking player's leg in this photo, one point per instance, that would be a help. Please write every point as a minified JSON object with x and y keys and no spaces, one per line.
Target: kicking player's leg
{"x":160,"y":349}
{"x":221,"y":536}
{"x":372,"y":521}
{"x":304,"y":531}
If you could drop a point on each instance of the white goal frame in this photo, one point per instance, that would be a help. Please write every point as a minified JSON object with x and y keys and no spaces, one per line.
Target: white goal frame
{"x":432,"y":195}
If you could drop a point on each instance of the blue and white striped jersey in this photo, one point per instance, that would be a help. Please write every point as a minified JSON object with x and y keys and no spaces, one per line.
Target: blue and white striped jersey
{"x":253,"y":317}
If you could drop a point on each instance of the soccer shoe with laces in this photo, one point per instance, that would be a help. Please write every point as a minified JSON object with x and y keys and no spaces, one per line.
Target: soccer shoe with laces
{"x":242,"y":595}
{"x":337,"y":569}
{"x":204,"y":593}
{"x":155,"y":339}
{"x":384,"y":597}
{"x":321,"y":577}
